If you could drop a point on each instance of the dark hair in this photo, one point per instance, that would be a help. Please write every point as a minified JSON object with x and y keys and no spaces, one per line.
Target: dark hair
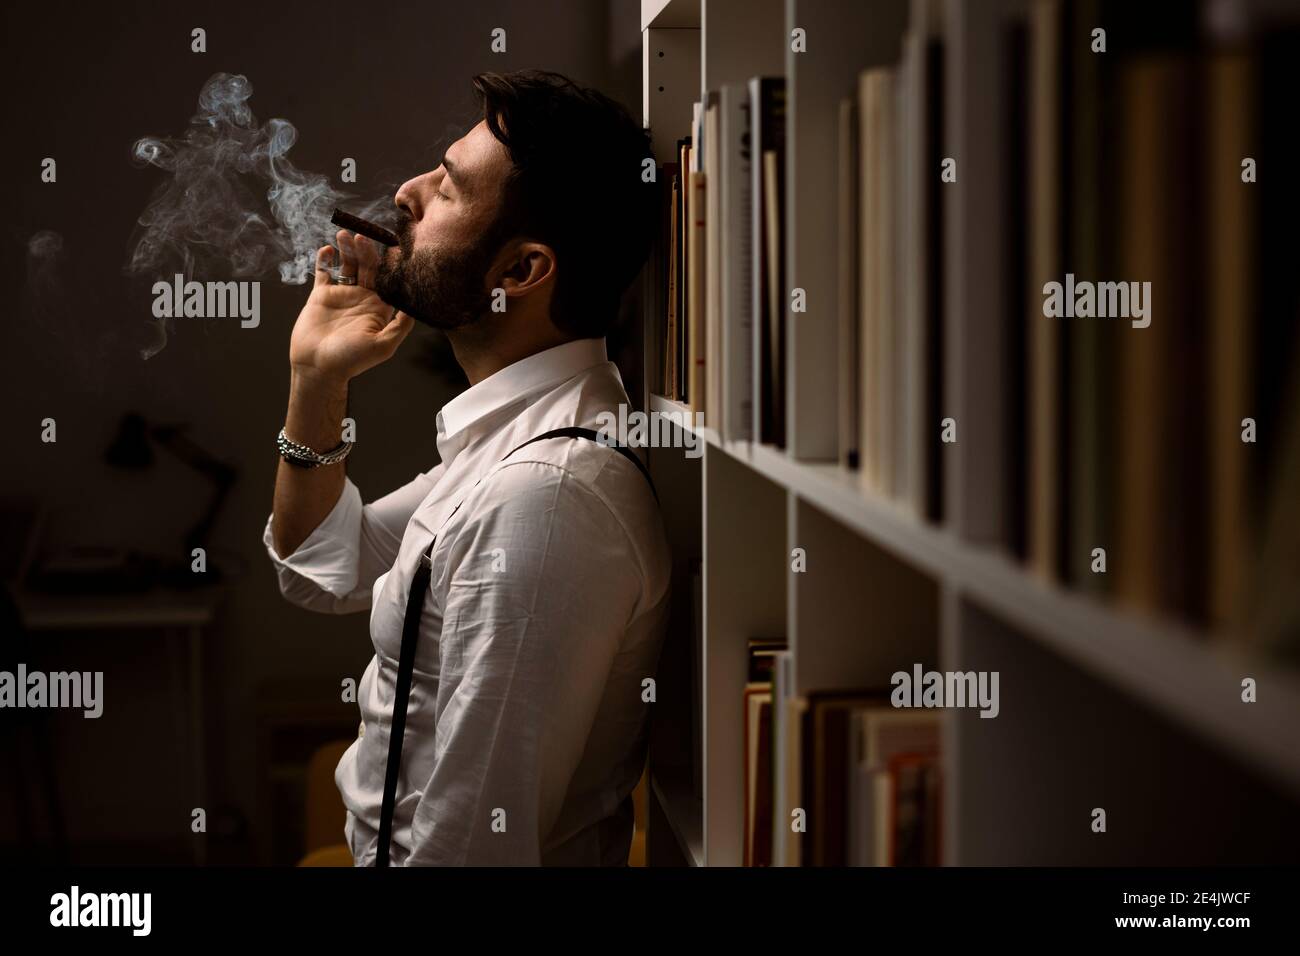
{"x":576,"y":185}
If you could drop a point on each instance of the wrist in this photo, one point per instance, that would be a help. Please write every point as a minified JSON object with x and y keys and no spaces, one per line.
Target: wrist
{"x":317,"y":404}
{"x":313,"y":382}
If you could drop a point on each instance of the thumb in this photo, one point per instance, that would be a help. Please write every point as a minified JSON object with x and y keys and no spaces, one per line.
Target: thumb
{"x":324,"y":257}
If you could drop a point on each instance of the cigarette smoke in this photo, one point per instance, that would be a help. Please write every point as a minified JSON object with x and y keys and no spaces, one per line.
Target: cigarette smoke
{"x":53,"y":300}
{"x":46,"y":294}
{"x":233,"y":204}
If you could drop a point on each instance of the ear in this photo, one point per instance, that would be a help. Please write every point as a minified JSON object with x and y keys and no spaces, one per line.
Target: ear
{"x":529,"y":268}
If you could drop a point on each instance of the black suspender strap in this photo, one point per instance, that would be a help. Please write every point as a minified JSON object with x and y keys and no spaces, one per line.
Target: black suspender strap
{"x":411,"y":637}
{"x":405,"y":667}
{"x":574,"y":431}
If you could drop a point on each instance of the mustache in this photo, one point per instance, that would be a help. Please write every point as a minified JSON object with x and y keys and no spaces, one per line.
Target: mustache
{"x":404,"y":228}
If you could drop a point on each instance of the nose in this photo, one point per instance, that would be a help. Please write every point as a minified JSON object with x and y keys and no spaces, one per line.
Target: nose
{"x":407,"y":199}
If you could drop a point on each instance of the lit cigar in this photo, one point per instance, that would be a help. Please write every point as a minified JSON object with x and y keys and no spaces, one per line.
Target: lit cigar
{"x":345,"y":220}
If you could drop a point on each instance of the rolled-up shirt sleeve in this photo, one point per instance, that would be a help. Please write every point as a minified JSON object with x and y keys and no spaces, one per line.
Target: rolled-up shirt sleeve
{"x":335,"y":569}
{"x":540,"y":585}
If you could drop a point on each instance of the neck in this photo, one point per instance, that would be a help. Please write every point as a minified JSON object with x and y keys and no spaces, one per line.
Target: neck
{"x":485,"y":347}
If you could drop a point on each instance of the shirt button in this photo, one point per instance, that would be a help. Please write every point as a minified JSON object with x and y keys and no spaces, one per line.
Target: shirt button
{"x":361,"y":729}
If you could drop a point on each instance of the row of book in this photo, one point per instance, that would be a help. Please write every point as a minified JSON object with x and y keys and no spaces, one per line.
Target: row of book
{"x":721,"y":285}
{"x":720,"y":264}
{"x":1153,"y":438}
{"x":893,"y":170}
{"x":1141,"y":458}
{"x":1132,"y":452}
{"x":864,"y":774}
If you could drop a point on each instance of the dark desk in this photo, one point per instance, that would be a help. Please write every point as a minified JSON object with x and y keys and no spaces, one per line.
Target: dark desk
{"x":179,"y":612}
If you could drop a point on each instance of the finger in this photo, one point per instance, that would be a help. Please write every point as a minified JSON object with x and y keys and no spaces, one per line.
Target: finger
{"x":397,"y":329}
{"x":324,"y":261}
{"x":349,"y":259}
{"x":367,"y":260}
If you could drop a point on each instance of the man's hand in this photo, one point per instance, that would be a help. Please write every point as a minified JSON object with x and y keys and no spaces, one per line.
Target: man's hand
{"x":341,"y":331}
{"x":345,"y":329}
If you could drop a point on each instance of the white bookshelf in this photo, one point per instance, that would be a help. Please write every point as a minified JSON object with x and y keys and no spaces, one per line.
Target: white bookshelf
{"x":1100,"y":706}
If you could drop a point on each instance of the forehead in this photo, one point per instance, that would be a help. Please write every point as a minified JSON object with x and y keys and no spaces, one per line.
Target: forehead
{"x":478,"y":161}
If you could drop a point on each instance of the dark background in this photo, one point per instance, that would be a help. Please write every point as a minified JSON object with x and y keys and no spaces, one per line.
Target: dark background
{"x":386,"y":84}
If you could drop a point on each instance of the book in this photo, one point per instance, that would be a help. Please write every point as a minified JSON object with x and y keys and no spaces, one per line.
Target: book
{"x":669,"y":378}
{"x":1019,"y":298}
{"x":757,"y":821}
{"x":792,"y":723}
{"x":909,"y":211}
{"x":1089,"y":453}
{"x":877,"y":132}
{"x":826,"y":771}
{"x":918,"y":264}
{"x":711,"y":371}
{"x":882,"y":741}
{"x":902,"y":225}
{"x":764,"y":655}
{"x":914,"y":826}
{"x":933,"y":392}
{"x":847,"y":289}
{"x":697,"y":212}
{"x":1230,"y":230}
{"x":1043,"y":333}
{"x":767,"y":108}
{"x":774,"y":417}
{"x":683,"y":261}
{"x":1158,"y":516}
{"x":782,"y":796}
{"x":736,"y":264}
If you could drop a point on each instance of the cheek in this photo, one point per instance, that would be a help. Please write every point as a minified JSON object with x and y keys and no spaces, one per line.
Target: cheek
{"x":425,"y":235}
{"x":436,"y":228}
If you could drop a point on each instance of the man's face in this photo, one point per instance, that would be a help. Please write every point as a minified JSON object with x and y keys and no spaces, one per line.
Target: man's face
{"x":439,"y":272}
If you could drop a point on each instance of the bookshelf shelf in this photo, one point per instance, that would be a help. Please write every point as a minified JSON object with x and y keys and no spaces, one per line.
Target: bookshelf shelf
{"x":1103,"y":703}
{"x":1193,"y":678}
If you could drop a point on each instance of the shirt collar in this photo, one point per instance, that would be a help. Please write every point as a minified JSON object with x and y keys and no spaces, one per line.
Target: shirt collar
{"x":513,"y":386}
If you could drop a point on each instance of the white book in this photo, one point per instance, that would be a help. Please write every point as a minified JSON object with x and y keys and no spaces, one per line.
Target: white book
{"x":697,"y":141}
{"x":876,"y":126}
{"x":887,"y":317}
{"x":847,"y":285}
{"x":909,"y":383}
{"x":876,"y":735}
{"x":782,"y":690}
{"x":881,"y":810}
{"x":926,"y":25}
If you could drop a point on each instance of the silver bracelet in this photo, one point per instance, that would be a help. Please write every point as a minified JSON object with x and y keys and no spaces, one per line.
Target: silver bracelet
{"x":298,"y":454}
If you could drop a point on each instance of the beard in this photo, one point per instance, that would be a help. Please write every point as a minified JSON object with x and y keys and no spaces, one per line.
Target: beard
{"x":441,"y":287}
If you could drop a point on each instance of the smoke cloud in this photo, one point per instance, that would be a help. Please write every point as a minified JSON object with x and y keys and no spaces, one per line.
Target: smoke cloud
{"x":233,"y":204}
{"x":54,"y":302}
{"x":45,"y":292}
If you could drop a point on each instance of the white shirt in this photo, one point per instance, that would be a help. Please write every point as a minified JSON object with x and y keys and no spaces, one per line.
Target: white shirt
{"x":545,"y":613}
